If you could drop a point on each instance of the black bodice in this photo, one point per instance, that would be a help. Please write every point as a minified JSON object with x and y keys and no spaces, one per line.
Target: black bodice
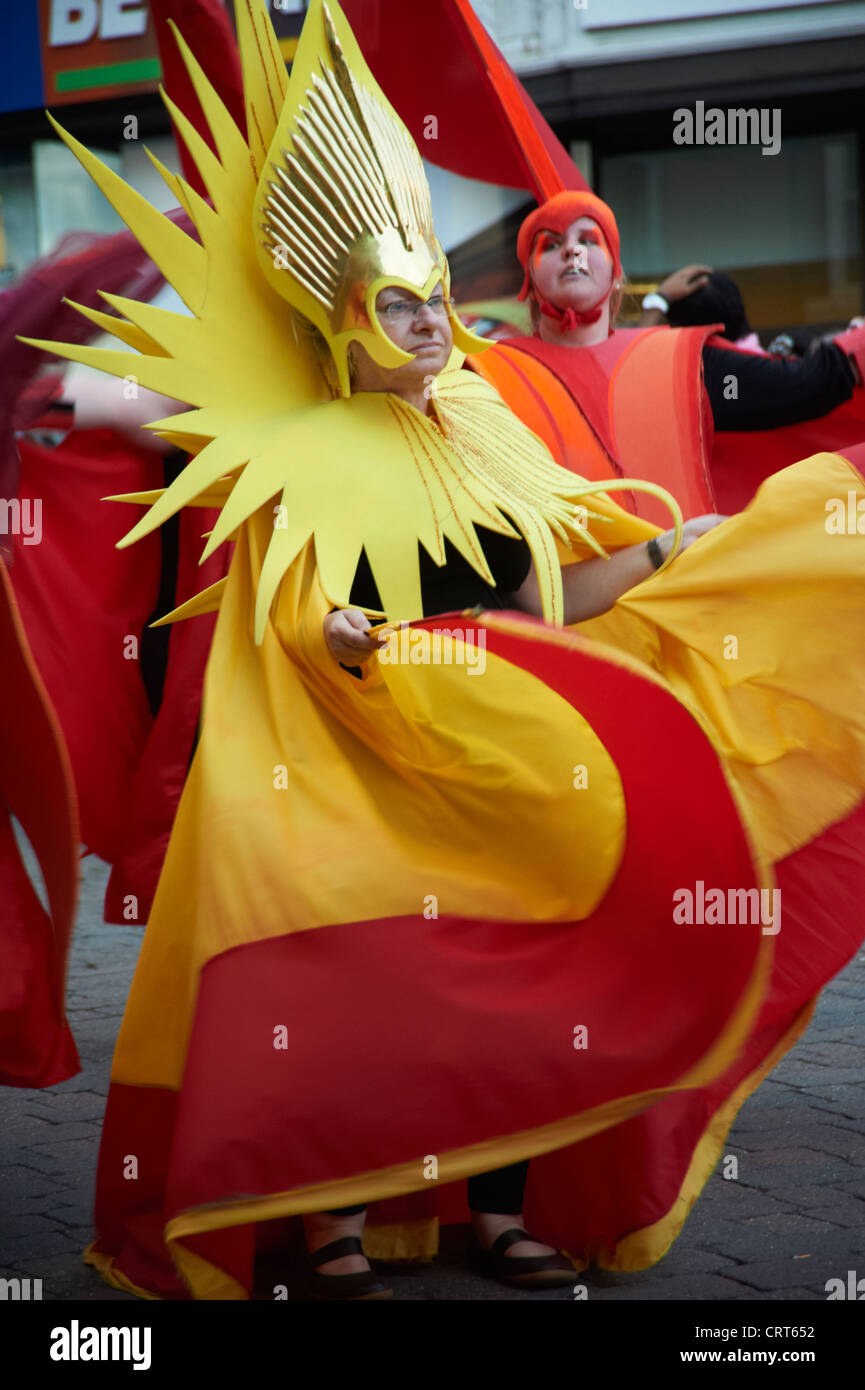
{"x":455,"y":585}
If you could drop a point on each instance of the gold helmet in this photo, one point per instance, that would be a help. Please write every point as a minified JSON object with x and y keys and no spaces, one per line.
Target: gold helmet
{"x":343,"y":205}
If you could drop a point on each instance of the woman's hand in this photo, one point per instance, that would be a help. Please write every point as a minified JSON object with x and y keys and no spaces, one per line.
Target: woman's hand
{"x":345,"y":632}
{"x":691,"y":531}
{"x":684,"y":282}
{"x":676,"y":286}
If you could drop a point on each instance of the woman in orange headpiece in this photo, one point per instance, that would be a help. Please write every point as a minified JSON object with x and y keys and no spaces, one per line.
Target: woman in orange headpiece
{"x":634,"y":399}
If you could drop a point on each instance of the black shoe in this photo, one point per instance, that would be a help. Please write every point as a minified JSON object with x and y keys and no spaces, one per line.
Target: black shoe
{"x":520,"y":1271}
{"x":363,"y":1284}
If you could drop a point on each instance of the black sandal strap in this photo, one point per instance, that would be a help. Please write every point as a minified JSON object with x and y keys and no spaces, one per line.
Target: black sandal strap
{"x":519,"y":1265}
{"x":346,"y":1245}
{"x":507,"y":1239}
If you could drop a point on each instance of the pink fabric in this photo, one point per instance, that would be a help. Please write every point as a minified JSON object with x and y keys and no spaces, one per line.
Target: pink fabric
{"x":750,"y":343}
{"x":853,"y":343}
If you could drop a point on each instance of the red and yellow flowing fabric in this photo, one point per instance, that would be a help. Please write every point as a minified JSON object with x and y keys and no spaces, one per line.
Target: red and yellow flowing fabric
{"x":36,"y":1045}
{"x":388,"y":906}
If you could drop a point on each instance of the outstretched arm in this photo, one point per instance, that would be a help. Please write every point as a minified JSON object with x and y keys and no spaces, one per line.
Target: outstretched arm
{"x":103,"y":402}
{"x":591,"y":587}
{"x":768,"y":392}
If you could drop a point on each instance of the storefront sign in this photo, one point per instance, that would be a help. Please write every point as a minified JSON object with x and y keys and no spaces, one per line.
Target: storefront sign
{"x":96,"y":48}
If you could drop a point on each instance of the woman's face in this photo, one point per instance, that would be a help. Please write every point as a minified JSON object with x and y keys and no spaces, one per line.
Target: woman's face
{"x":425,"y":333}
{"x":572,"y":269}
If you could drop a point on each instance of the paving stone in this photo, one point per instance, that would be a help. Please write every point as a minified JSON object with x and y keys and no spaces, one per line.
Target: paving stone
{"x":80,"y":1082}
{"x":792,"y":1295}
{"x":810,"y":1074}
{"x":66,"y":1278}
{"x":75,"y":1215}
{"x":684,"y":1260}
{"x":74,"y":1129}
{"x":13,"y":1225}
{"x":76,"y":1156}
{"x":775,"y":1171}
{"x":848,"y":1098}
{"x":20,"y":1131}
{"x":33,"y":1206}
{"x":56,"y":1242}
{"x":740,"y":1201}
{"x":94,"y":1059}
{"x":770,"y":1237}
{"x":86,"y":1008}
{"x":834,"y":1055}
{"x":614,"y":1278}
{"x":843,"y":1116}
{"x":850,"y":1215}
{"x":833,"y":1140}
{"x":462,"y":1286}
{"x":772,"y":1095}
{"x":751,"y":1121}
{"x":682,"y":1286}
{"x":81,"y":1234}
{"x":808,"y":1196}
{"x":77,"y":1105}
{"x":813,"y":1274}
{"x":18,"y":1182}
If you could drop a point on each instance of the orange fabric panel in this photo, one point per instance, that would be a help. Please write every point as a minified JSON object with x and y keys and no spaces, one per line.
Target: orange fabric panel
{"x":633,"y":401}
{"x":547,"y":408}
{"x":654,"y":379}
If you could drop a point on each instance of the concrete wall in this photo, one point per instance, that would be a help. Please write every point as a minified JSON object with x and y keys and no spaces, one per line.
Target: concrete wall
{"x":536,"y":35}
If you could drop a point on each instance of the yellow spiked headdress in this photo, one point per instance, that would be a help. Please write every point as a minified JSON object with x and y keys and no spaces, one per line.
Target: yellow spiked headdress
{"x":343,"y":205}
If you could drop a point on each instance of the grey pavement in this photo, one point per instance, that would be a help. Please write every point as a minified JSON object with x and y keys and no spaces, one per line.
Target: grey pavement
{"x":792,"y":1219}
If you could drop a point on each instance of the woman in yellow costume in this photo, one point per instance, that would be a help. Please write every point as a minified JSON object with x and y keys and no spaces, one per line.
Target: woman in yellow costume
{"x":432,"y":916}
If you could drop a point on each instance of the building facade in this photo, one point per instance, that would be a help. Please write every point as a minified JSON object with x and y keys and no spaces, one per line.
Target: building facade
{"x":727,"y":132}
{"x":95,"y":65}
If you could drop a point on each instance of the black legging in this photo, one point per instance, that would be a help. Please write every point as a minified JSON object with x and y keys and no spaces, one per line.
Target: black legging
{"x":500,"y":1191}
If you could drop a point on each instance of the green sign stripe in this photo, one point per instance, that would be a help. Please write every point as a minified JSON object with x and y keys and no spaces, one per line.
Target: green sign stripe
{"x":110,"y":75}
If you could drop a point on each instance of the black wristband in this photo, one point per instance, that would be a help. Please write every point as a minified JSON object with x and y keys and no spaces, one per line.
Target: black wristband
{"x":655,"y":555}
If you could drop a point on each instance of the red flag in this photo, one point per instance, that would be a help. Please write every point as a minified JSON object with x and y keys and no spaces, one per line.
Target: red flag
{"x":206,"y":28}
{"x":447,"y":79}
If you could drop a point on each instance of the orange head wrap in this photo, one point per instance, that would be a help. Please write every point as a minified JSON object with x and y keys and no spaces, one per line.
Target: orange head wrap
{"x":556,"y":215}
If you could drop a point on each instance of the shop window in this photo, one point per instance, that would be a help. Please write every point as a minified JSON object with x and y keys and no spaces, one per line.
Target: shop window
{"x":785,"y":226}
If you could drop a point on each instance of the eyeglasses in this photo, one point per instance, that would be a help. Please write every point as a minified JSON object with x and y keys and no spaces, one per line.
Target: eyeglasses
{"x":401,"y":310}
